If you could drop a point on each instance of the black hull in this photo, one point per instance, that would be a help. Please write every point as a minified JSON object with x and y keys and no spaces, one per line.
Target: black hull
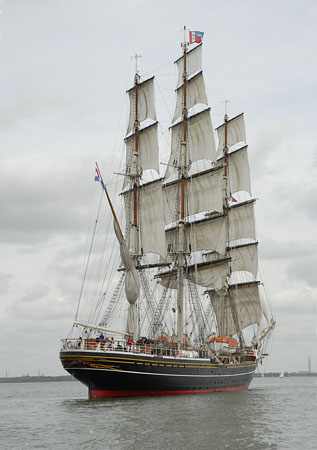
{"x":121,"y":374}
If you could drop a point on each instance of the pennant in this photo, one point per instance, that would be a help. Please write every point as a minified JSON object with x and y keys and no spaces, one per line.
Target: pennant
{"x":196,"y":37}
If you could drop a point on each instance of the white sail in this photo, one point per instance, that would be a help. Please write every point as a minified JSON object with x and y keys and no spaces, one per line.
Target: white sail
{"x":212,"y":275}
{"x":168,"y":281}
{"x":245,"y":258}
{"x":247,"y":304}
{"x":195,"y":94}
{"x":235,"y":133}
{"x":148,"y":150}
{"x":193,"y":63}
{"x":241,"y":221}
{"x":201,"y":142}
{"x":239,"y":171}
{"x":203,"y":235}
{"x":151,"y":216}
{"x":144,"y":93}
{"x":210,"y":234}
{"x":203,"y":191}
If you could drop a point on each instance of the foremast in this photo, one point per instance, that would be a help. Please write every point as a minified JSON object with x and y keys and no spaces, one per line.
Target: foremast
{"x":144,"y":218}
{"x":134,"y":178}
{"x":135,"y":173}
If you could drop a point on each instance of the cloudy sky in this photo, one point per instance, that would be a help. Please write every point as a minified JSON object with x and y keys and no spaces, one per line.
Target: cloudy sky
{"x":65,"y":66}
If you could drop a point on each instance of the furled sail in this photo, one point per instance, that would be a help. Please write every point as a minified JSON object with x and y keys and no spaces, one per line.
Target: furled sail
{"x":239,"y":171}
{"x":246,"y":299}
{"x":131,"y":325}
{"x":132,"y":283}
{"x":200,"y":141}
{"x":235,"y":133}
{"x":203,"y":194}
{"x":195,"y":94}
{"x":144,"y":94}
{"x":193,"y":63}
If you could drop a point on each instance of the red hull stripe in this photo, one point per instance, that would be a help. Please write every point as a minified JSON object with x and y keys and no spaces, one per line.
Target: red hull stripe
{"x":103,"y":393}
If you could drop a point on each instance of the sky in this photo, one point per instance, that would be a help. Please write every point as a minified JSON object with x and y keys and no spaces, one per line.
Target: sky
{"x":65,"y":67}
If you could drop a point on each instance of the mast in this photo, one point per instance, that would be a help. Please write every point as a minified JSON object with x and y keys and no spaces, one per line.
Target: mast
{"x":181,"y":229}
{"x":135,"y":172}
{"x":135,"y":180}
{"x":145,"y":233}
{"x":225,"y":212}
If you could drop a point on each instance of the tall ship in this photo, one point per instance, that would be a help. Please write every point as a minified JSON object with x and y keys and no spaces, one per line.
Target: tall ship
{"x":180,"y":310}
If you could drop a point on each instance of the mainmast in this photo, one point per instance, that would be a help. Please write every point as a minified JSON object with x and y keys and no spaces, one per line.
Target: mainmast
{"x":183,"y":168}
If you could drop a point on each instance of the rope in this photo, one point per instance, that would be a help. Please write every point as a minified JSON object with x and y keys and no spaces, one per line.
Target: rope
{"x":88,"y":259}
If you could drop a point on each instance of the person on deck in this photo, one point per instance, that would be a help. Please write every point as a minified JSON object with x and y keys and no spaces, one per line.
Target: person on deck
{"x":129,"y":343}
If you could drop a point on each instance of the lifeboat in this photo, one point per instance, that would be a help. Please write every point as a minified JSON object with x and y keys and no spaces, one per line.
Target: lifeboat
{"x":223,"y":345}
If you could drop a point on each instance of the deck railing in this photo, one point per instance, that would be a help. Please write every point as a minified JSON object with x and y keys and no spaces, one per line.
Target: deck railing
{"x":158,"y":349}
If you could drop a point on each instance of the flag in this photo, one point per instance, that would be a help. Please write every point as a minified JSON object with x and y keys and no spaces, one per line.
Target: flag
{"x":234,"y":200}
{"x":196,"y":37}
{"x":98,"y":178}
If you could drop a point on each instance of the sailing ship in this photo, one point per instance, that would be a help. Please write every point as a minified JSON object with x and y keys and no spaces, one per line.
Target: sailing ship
{"x":196,"y":321}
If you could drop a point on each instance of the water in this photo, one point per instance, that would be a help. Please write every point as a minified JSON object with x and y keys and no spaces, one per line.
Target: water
{"x":273,"y":414}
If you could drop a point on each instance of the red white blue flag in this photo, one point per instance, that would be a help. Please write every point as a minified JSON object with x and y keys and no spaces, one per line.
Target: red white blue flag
{"x":98,"y":177}
{"x":195,"y":37}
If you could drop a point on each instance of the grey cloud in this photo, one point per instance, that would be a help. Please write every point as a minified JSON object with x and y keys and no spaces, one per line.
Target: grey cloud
{"x":266,"y":143}
{"x":272,"y":249}
{"x":298,"y":301}
{"x":6,"y":280}
{"x":32,"y":103}
{"x":300,"y":197}
{"x":45,"y":200}
{"x":304,"y":269}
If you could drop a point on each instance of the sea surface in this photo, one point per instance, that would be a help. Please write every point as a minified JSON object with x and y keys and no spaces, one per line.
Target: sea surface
{"x":273,"y":414}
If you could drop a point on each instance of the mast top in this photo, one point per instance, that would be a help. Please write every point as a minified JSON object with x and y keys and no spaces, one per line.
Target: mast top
{"x":185,"y":42}
{"x":226,"y":109}
{"x":136,"y":57}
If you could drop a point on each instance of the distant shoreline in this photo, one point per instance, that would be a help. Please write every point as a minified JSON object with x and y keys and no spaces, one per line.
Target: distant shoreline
{"x":43,"y":378}
{"x":286,"y":374}
{"x":35,"y":379}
